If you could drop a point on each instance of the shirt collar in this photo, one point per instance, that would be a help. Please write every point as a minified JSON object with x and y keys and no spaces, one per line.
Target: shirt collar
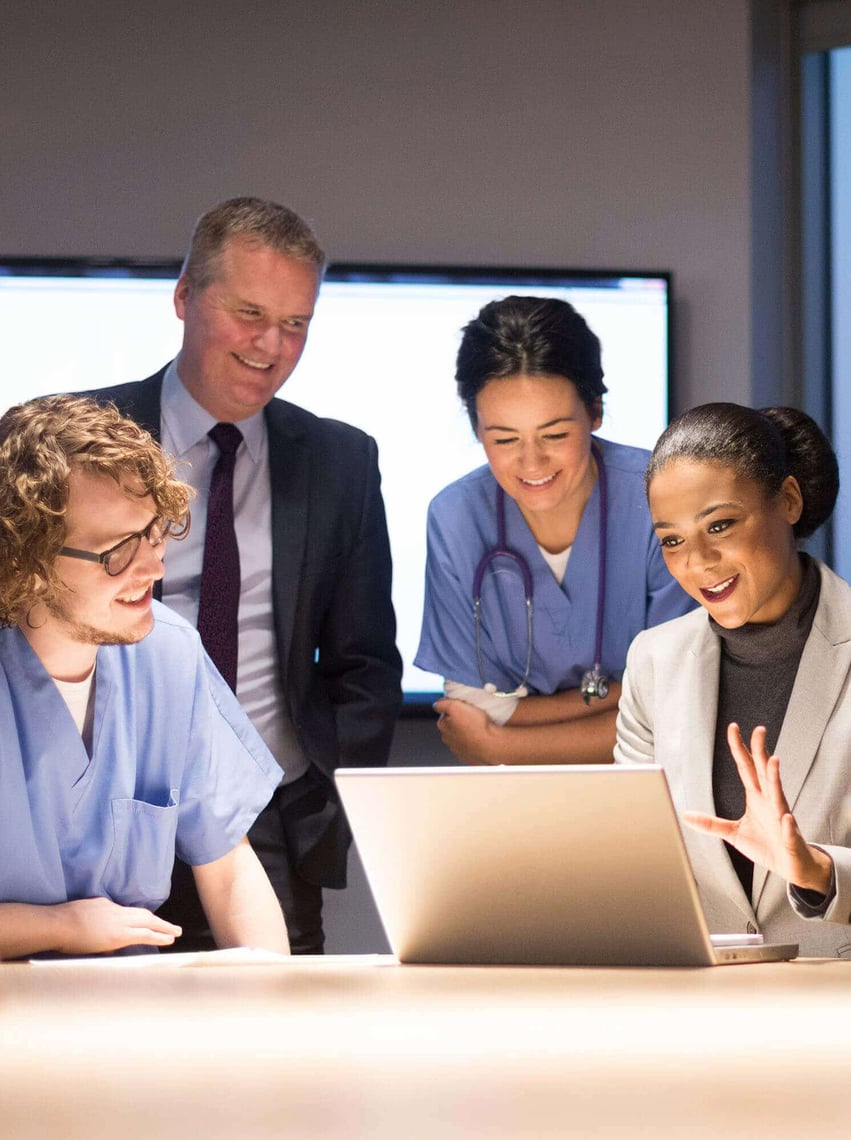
{"x":188,"y":423}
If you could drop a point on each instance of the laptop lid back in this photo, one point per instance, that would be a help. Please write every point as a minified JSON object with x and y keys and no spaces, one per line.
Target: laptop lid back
{"x":579,"y":865}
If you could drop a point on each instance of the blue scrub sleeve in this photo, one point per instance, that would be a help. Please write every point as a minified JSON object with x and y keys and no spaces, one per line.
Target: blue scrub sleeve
{"x":230,"y":774}
{"x":447,"y":641}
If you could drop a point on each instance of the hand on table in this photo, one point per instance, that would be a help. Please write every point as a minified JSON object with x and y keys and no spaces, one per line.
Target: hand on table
{"x":93,"y":926}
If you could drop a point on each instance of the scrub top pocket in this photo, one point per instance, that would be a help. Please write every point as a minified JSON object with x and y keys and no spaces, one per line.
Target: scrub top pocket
{"x":138,"y":872}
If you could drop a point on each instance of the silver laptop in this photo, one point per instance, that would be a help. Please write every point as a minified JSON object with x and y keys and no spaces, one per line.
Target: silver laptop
{"x":579,"y":865}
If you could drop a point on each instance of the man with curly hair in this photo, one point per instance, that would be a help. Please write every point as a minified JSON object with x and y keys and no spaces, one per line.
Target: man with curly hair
{"x":121,"y":744}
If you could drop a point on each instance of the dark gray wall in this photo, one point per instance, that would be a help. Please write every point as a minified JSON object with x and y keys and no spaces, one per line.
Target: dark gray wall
{"x":563,"y":132}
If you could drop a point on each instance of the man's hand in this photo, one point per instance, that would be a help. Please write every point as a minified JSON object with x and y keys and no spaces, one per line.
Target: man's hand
{"x":93,"y":926}
{"x":767,"y":833}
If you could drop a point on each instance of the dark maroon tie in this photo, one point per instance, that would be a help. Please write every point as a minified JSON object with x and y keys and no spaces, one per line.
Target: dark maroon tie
{"x":218,"y":604}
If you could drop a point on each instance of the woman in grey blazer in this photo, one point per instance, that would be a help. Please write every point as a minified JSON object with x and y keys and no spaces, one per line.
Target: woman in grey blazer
{"x":745,"y":701}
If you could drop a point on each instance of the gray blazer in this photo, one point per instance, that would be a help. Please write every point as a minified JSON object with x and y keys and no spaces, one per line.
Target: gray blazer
{"x":667,"y":716}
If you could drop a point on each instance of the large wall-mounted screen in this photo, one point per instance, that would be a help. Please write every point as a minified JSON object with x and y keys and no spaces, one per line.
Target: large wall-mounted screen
{"x":380,"y":355}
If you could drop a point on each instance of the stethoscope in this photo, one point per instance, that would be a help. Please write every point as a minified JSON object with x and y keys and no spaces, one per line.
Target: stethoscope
{"x":594,"y":682}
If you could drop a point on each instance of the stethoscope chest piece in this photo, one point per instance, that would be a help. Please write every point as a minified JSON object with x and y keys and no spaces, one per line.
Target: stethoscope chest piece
{"x":594,"y":683}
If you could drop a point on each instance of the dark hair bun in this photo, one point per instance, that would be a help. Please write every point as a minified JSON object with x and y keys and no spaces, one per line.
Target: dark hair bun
{"x":765,"y":446}
{"x":812,"y":461}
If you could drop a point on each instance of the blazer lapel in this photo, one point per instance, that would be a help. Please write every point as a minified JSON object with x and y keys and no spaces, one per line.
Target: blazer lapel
{"x":700,"y":703}
{"x":142,"y":401}
{"x":822,"y":672}
{"x":699,"y":700}
{"x":289,"y":475}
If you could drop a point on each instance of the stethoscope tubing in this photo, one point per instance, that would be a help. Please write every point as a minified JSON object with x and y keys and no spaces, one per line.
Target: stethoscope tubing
{"x":602,"y":552}
{"x":503,"y":550}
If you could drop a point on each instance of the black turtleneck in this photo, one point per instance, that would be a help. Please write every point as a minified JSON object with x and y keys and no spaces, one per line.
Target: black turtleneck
{"x":759,"y":663}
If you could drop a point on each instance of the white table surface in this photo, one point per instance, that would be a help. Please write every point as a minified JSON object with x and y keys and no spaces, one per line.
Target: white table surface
{"x":362,"y":1047}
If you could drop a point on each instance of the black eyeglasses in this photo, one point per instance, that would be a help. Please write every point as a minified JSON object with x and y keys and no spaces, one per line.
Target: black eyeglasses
{"x":118,"y":558}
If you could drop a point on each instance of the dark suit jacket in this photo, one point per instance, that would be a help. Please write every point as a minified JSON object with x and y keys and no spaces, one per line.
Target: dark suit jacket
{"x":334,"y":621}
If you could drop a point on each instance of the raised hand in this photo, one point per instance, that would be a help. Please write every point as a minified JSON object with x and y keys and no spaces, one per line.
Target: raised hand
{"x":767,"y":833}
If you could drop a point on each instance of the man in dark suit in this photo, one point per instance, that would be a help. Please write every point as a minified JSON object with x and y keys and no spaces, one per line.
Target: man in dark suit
{"x":318,"y":670}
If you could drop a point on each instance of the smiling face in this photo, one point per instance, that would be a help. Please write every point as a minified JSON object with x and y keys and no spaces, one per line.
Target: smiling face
{"x":536,"y":432}
{"x":726,"y":542}
{"x":245,"y":332}
{"x":93,"y":608}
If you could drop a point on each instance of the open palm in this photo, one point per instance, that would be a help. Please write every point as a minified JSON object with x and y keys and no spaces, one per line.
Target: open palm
{"x":767,"y":833}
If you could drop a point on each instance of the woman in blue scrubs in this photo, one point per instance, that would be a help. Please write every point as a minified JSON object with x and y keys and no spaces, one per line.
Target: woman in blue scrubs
{"x":539,"y":682}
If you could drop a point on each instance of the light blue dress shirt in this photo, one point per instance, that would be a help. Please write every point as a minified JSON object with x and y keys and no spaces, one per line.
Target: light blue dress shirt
{"x":184,"y":434}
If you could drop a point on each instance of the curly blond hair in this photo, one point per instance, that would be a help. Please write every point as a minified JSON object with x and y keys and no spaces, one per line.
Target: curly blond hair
{"x":41,"y":441}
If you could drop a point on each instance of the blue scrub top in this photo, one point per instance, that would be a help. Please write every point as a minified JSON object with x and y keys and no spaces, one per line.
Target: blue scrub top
{"x":176,"y":767}
{"x":640,"y":591}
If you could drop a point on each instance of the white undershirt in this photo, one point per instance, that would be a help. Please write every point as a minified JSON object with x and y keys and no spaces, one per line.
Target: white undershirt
{"x":557,"y":562}
{"x":77,"y":696}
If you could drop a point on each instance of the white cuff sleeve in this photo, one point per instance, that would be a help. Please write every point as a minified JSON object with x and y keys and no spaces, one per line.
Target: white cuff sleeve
{"x":499,"y":709}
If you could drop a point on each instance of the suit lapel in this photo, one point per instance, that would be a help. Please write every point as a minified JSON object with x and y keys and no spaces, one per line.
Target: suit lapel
{"x":700,"y":678}
{"x":143,"y":402}
{"x":289,"y":477}
{"x":822,"y":672}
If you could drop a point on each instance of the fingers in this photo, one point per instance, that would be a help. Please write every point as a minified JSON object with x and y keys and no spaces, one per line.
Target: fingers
{"x":98,"y":925}
{"x":744,"y":760}
{"x":710,"y":824}
{"x":143,"y":917}
{"x":759,"y":754}
{"x":758,"y":771}
{"x":774,"y":788}
{"x":144,"y":937}
{"x":148,"y":929}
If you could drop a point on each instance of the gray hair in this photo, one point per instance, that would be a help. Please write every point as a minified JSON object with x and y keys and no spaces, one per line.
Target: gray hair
{"x":258,"y":221}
